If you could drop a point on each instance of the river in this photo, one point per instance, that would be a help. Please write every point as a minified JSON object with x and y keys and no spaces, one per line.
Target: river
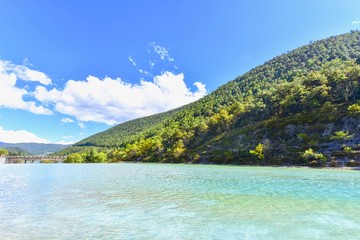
{"x":164,"y":201}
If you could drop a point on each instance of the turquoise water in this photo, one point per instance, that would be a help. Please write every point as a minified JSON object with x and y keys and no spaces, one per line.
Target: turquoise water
{"x":155,"y":201}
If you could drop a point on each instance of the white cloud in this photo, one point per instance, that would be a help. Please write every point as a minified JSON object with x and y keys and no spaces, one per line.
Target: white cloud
{"x":132,"y":61}
{"x":146,"y":73}
{"x":19,"y":136}
{"x":13,"y":97}
{"x":356,"y":22}
{"x":67,"y":120}
{"x":66,"y":142}
{"x":24,"y":73}
{"x":201,"y":89}
{"x":113,"y":101}
{"x":152,"y":63}
{"x":162,"y":52}
{"x":81,"y":125}
{"x":27,"y":74}
{"x":68,"y":137}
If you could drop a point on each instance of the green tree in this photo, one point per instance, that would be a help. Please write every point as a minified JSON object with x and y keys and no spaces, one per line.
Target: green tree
{"x":100,"y":158}
{"x":314,"y":158}
{"x":222,"y":120}
{"x":95,"y":157}
{"x":258,"y":151}
{"x":341,"y":135}
{"x":178,"y":149}
{"x":74,"y":158}
{"x":354,"y":110}
{"x":4,"y":151}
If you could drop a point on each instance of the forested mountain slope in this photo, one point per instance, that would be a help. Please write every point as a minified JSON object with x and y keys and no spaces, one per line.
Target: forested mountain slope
{"x":284,"y":111}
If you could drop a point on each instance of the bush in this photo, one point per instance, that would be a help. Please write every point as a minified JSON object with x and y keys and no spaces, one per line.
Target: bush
{"x":341,"y":135}
{"x":4,"y":151}
{"x":47,"y":161}
{"x":314,"y":158}
{"x":333,"y":163}
{"x":314,"y":163}
{"x":352,"y":163}
{"x":74,"y":158}
{"x":311,"y":155}
{"x":354,"y":110}
{"x":347,"y":149}
{"x":258,"y":151}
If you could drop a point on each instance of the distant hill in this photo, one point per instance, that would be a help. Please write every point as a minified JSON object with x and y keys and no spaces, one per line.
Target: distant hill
{"x":300,"y":107}
{"x":33,"y":148}
{"x":17,"y":151}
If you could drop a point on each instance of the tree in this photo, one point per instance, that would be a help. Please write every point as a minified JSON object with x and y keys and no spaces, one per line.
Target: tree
{"x":354,"y":110}
{"x":74,"y":158}
{"x":4,"y":151}
{"x":222,"y":120}
{"x":341,"y":135}
{"x":314,"y":158}
{"x":178,"y":149}
{"x":258,"y":151}
{"x":100,"y":158}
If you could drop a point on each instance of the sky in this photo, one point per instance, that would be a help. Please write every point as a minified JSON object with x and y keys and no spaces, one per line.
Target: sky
{"x":72,"y":68}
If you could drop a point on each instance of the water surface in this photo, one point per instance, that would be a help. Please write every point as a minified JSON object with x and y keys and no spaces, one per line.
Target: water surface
{"x":157,"y":201}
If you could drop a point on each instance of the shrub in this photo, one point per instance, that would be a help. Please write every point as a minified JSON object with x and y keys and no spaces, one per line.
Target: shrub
{"x":308,"y":154}
{"x":354,"y":110}
{"x":74,"y":158}
{"x":341,"y":135}
{"x":313,"y":157}
{"x":303,"y":137}
{"x":196,"y":158}
{"x":314,"y":163}
{"x":352,"y":163}
{"x":347,"y":149}
{"x":47,"y":161}
{"x":333,"y":163}
{"x":4,"y":151}
{"x":258,"y":151}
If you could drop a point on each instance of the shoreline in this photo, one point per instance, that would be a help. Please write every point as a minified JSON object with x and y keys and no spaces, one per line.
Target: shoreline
{"x":209,"y":164}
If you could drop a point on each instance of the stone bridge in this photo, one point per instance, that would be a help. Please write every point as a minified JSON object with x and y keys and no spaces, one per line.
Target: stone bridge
{"x":32,"y":159}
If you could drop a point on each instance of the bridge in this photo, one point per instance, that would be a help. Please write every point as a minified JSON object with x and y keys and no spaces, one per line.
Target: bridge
{"x":32,"y":159}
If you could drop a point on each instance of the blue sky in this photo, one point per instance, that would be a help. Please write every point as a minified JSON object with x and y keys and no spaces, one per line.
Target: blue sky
{"x":71,"y":68}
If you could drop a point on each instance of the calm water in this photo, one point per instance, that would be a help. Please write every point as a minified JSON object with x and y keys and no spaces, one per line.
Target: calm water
{"x":153,"y":201}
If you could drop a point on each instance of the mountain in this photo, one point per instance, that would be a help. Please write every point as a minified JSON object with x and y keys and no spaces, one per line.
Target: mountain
{"x":17,"y":151}
{"x":298,"y":108}
{"x":32,"y":148}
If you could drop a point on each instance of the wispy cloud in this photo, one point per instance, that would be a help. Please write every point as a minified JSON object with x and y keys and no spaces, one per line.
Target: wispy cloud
{"x":161,"y":51}
{"x":146,"y":73}
{"x":67,"y":120}
{"x":132,"y":61}
{"x":19,"y":136}
{"x":152,"y":63}
{"x":356,"y":22}
{"x":112,"y":101}
{"x":81,"y":125}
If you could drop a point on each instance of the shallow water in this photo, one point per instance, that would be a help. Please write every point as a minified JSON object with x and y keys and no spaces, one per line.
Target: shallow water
{"x":158,"y":201}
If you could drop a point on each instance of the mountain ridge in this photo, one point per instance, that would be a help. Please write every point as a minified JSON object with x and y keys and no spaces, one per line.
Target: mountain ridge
{"x":183,"y":134}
